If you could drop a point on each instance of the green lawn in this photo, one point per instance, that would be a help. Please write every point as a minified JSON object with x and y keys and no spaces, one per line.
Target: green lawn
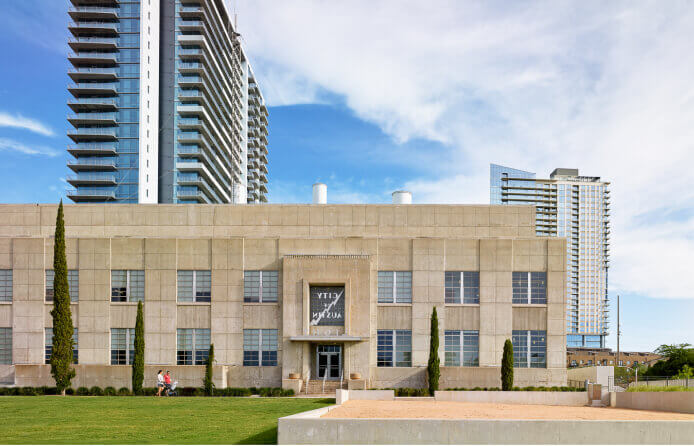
{"x":119,"y":420}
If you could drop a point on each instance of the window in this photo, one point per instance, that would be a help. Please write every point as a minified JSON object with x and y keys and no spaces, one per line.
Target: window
{"x":49,"y":345}
{"x":5,"y":345}
{"x":462,"y":348}
{"x":127,"y":286}
{"x":529,"y":287}
{"x":573,"y":363}
{"x":397,"y":343}
{"x":395,"y":287}
{"x":260,"y":286}
{"x":192,"y":346}
{"x":5,"y":285}
{"x":73,"y":276}
{"x":122,"y":346}
{"x":260,"y":347}
{"x":529,"y":348}
{"x":194,"y":286}
{"x":462,"y":287}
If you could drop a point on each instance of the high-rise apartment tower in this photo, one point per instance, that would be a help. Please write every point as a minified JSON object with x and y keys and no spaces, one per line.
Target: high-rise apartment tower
{"x":578,"y":208}
{"x":165,"y":105}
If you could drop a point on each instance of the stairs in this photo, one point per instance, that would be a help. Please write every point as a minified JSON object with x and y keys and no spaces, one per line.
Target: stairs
{"x":315,"y":387}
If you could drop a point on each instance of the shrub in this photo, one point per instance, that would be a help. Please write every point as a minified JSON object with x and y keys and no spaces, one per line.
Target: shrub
{"x":123,"y":391}
{"x":28,"y":391}
{"x":110,"y":391}
{"x":96,"y":391}
{"x":207,"y":382}
{"x":82,"y":391}
{"x":69,"y":391}
{"x":199,"y":392}
{"x":643,"y":388}
{"x":138,"y":366}
{"x":433,"y":366}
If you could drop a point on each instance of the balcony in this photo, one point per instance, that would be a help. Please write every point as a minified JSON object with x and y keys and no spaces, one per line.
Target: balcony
{"x":93,"y":43}
{"x":93,"y":134}
{"x":98,"y":149}
{"x":92,"y":164}
{"x":89,"y":73}
{"x":92,"y":58}
{"x":92,"y":119}
{"x":85,"y":195}
{"x":191,"y":11}
{"x":191,"y":25}
{"x":102,"y":180}
{"x":192,"y":195}
{"x":93,"y":88}
{"x":93,"y":104}
{"x":187,"y":53}
{"x":93,"y":28}
{"x":94,"y":13}
{"x":191,"y":67}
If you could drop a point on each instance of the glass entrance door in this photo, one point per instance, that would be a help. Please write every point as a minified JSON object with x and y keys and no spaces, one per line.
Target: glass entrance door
{"x":329,"y":361}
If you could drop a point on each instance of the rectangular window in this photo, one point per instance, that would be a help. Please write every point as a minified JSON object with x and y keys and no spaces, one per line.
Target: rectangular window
{"x":395,"y":287}
{"x":529,"y":287}
{"x":122,"y":346}
{"x":5,"y":345}
{"x":194,"y":286}
{"x":462,"y":348}
{"x":260,"y":286}
{"x":49,"y":345}
{"x":529,"y":348}
{"x":462,"y":287}
{"x":73,"y":281}
{"x":127,"y":286}
{"x":5,"y":285}
{"x":394,"y":348}
{"x":260,"y":347}
{"x":192,"y":346}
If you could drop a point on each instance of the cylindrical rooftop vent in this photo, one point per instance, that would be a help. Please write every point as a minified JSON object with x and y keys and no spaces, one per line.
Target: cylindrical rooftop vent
{"x":402,"y":197}
{"x":320,"y":193}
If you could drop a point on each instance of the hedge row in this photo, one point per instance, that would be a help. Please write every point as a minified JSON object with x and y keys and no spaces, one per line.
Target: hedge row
{"x":524,"y":389}
{"x":146,"y":391}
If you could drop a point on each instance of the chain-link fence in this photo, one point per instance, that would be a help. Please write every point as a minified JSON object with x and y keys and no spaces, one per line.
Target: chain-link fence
{"x":621,"y":383}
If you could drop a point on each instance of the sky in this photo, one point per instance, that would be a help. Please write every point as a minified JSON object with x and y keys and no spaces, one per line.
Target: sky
{"x":375,"y":96}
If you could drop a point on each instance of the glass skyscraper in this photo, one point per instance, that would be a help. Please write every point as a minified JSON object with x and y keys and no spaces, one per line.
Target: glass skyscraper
{"x":165,"y":106}
{"x":578,"y":208}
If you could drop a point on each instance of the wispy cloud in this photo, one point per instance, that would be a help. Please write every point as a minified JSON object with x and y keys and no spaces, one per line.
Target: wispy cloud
{"x":15,"y":146}
{"x":20,"y":122}
{"x":536,"y":85}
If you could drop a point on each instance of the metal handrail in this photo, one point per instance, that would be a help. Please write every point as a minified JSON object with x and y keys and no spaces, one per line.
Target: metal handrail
{"x":308,"y":378}
{"x":325,"y":376}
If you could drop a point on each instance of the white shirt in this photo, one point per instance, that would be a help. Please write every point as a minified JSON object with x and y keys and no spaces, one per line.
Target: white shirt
{"x":160,"y":379}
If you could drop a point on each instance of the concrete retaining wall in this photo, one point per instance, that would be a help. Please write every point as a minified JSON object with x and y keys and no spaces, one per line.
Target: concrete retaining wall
{"x":309,"y":428}
{"x":546,"y":398}
{"x":665,"y":383}
{"x":595,"y":374}
{"x":682,"y":402}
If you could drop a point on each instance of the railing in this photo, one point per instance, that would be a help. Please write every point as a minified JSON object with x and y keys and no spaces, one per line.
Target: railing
{"x":341,"y":379}
{"x":308,"y":379}
{"x":325,"y":377}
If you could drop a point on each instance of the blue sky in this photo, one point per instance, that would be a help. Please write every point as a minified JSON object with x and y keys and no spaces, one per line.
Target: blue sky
{"x":404,"y":95}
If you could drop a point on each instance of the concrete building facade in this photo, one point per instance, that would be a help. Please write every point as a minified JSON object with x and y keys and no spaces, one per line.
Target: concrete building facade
{"x":577,"y":208}
{"x":165,"y":106}
{"x":287,"y":293}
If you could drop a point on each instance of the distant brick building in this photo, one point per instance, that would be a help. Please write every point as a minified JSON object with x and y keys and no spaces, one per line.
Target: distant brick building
{"x":584,"y":357}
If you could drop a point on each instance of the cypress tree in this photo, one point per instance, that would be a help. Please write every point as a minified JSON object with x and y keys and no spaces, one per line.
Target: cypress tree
{"x":507,"y":366}
{"x":433,"y":371}
{"x":209,"y":385}
{"x":61,"y":358}
{"x":139,"y":359}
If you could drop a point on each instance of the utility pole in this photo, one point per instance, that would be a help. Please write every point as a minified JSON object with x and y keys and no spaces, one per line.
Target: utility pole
{"x":618,"y":331}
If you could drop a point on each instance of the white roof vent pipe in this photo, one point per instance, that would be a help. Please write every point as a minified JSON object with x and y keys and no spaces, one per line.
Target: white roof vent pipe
{"x":320,"y":193}
{"x":402,"y":197}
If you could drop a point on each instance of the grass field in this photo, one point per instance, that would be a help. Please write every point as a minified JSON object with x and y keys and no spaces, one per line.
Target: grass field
{"x":127,"y":420}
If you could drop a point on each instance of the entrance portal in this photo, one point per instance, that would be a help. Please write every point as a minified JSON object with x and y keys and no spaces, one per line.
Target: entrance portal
{"x":329,"y":361}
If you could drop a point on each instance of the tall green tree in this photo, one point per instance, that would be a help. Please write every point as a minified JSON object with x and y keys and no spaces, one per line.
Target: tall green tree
{"x":139,"y":359}
{"x":507,"y":366}
{"x":61,"y":358}
{"x":676,"y":356}
{"x":209,"y":385}
{"x":433,"y":369}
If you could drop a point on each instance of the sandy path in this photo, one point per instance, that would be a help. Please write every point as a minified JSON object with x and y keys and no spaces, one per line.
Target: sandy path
{"x":458,"y":410}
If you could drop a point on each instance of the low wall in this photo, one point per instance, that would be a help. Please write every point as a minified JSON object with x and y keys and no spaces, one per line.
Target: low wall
{"x":239,"y":376}
{"x":396,"y":377}
{"x":682,"y":402}
{"x":469,"y":377}
{"x":664,"y":383}
{"x":595,"y":374}
{"x":309,"y":428}
{"x":117,"y":375}
{"x":500,"y":397}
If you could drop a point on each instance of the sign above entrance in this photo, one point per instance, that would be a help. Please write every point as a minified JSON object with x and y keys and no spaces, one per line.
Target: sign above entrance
{"x":327,"y":305}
